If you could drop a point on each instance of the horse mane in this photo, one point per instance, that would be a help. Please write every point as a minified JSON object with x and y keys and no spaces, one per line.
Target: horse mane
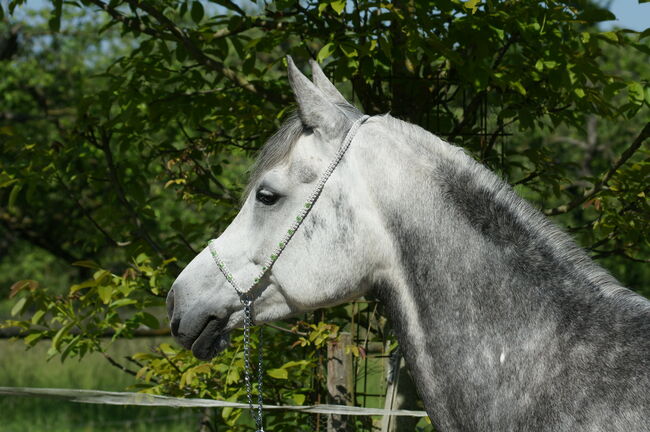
{"x":496,"y":195}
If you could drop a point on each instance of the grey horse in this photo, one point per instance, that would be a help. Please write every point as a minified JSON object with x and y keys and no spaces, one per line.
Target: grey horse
{"x":505,"y":324}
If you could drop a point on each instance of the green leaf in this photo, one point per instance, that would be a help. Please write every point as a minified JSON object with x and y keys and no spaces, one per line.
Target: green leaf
{"x":37,"y":316}
{"x":150,"y":320}
{"x":13,"y":195}
{"x":338,"y":6}
{"x":32,"y":338}
{"x":105,"y":292}
{"x":57,"y":339}
{"x":18,"y":307}
{"x":85,"y":284}
{"x":122,"y":302}
{"x":325,"y":52}
{"x":68,"y":349}
{"x":472,"y":5}
{"x":197,"y":12}
{"x":609,"y":36}
{"x":278,"y":373}
{"x":635,"y":93}
{"x":596,"y":15}
{"x":298,"y":398}
{"x":86,"y":263}
{"x":517,"y":86}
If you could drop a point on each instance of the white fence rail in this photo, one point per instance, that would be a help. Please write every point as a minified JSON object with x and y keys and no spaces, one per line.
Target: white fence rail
{"x":142,"y":399}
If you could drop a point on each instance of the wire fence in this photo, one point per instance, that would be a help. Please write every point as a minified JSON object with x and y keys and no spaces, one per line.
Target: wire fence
{"x":142,"y":399}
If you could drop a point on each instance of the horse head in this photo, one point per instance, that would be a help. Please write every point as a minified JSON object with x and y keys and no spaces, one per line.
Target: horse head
{"x":332,"y":258}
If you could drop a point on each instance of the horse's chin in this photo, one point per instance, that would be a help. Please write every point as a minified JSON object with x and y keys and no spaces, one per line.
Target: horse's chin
{"x":211,"y":341}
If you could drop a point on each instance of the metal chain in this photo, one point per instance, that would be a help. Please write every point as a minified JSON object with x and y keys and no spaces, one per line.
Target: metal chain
{"x":248,"y":322}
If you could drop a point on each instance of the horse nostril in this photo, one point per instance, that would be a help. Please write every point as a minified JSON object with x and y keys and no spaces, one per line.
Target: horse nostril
{"x":175,"y":323}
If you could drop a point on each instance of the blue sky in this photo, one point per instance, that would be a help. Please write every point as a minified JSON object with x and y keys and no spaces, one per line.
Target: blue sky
{"x":630,"y":15}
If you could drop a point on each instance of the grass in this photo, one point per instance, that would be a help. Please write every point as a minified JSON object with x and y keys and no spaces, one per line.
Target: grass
{"x":20,"y":368}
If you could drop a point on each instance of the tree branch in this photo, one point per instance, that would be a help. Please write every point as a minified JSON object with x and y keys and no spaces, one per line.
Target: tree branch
{"x":590,"y":193}
{"x":104,"y":144}
{"x":198,"y":55}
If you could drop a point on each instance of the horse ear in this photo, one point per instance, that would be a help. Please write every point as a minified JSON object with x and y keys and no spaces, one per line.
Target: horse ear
{"x":315,"y":109}
{"x":325,"y":85}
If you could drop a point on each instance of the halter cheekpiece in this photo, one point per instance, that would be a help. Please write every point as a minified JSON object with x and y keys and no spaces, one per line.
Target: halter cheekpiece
{"x":246,"y":296}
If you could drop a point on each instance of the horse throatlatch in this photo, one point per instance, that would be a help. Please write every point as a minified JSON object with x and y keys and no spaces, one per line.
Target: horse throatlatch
{"x":245,"y":296}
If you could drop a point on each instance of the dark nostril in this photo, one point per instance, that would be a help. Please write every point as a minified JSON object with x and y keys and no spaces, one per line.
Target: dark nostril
{"x":175,"y":323}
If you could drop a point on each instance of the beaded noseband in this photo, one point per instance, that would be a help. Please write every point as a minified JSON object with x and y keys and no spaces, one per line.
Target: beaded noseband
{"x":246,"y":296}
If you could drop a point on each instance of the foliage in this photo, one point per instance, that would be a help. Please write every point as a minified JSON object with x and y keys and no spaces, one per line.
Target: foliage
{"x":126,"y":128}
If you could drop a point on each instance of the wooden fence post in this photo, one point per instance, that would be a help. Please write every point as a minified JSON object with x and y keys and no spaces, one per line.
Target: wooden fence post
{"x":339,"y":381}
{"x":400,"y":394}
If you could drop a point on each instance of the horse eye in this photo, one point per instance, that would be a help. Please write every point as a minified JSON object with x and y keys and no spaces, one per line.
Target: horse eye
{"x":266,"y":197}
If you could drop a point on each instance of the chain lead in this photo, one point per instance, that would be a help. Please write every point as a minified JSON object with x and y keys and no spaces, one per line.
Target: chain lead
{"x":248,"y":322}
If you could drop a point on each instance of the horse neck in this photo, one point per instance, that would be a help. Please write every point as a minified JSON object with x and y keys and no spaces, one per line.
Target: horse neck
{"x":482,"y":282}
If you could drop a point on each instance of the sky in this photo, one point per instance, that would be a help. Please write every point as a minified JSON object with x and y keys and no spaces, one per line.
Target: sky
{"x":630,"y":13}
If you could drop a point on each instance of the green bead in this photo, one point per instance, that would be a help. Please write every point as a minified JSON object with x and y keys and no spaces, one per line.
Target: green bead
{"x":307,"y":205}
{"x":274,"y":257}
{"x":281,"y":244}
{"x":290,"y":231}
{"x":298,"y":218}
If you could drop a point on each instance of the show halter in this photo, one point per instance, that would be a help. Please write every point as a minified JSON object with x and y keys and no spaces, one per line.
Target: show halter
{"x":246,"y":297}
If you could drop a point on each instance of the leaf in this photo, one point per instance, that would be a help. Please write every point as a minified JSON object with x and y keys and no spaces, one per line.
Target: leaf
{"x":517,"y":86}
{"x":122,"y":302}
{"x":18,"y":307}
{"x":596,"y":15}
{"x":105,"y":292}
{"x":325,"y":52}
{"x":21,"y":285}
{"x":197,"y":12}
{"x":68,"y":349}
{"x":13,"y":195}
{"x":57,"y":339}
{"x":635,"y":93}
{"x":86,"y":263}
{"x":150,"y":320}
{"x":278,"y":373}
{"x":338,"y":6}
{"x":609,"y":36}
{"x":472,"y":4}
{"x":298,"y":398}
{"x":86,"y":284}
{"x":32,"y":338}
{"x":37,"y":316}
